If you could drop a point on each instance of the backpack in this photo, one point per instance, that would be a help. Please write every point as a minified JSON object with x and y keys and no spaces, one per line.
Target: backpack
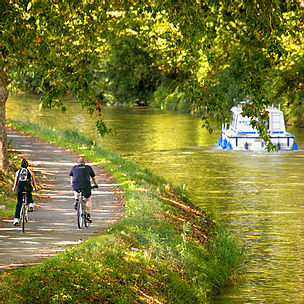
{"x":24,"y":175}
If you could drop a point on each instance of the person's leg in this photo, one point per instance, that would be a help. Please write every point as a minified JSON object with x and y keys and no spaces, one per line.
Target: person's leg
{"x":87,"y":197}
{"x":29,"y":197}
{"x":30,"y":201}
{"x":89,"y":205}
{"x":18,"y":207}
{"x":89,"y":209}
{"x":76,"y":194}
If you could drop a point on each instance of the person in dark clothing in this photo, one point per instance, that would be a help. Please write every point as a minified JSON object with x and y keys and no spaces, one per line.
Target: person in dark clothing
{"x":81,"y":176}
{"x":24,"y":182}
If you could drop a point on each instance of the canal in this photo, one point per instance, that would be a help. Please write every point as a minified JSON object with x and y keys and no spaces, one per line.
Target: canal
{"x":259,"y":196}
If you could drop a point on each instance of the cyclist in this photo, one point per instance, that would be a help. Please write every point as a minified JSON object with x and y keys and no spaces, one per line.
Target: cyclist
{"x":24,"y":182}
{"x":80,"y":180}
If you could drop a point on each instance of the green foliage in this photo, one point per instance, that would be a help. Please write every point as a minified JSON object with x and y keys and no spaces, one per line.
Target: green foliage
{"x":256,"y":109}
{"x":140,"y":52}
{"x":54,"y":47}
{"x":168,"y":96}
{"x":102,"y":128}
{"x":224,"y":248}
{"x":8,"y":198}
{"x":128,"y":72}
{"x":295,"y":110}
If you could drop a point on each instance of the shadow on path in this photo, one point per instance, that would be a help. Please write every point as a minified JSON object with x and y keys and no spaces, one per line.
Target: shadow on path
{"x":53,"y":226}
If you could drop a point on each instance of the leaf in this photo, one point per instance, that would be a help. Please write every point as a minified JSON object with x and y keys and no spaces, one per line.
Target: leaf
{"x":29,"y":6}
{"x":103,"y":129}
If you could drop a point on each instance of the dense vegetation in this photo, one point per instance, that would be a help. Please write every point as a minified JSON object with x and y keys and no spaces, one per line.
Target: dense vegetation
{"x":7,"y":196}
{"x":163,"y":250}
{"x":195,"y":56}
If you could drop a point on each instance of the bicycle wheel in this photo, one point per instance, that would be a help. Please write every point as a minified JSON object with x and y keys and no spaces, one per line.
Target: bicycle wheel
{"x":24,"y":212}
{"x":85,"y":215}
{"x":22,"y":217}
{"x":79,"y":214}
{"x":26,"y":208}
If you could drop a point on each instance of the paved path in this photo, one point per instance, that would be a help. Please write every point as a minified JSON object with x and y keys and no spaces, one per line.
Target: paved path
{"x":53,"y":227}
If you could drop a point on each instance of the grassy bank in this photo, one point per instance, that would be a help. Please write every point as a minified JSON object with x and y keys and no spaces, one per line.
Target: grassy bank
{"x":7,"y":196}
{"x":164,"y":250}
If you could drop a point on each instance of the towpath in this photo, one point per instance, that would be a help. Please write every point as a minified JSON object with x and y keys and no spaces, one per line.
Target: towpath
{"x":53,"y":227}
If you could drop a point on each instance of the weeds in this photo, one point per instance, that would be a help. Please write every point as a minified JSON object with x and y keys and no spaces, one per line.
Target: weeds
{"x":7,"y":196}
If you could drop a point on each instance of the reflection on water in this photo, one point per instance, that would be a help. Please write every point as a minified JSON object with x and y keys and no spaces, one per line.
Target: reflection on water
{"x":258,"y":195}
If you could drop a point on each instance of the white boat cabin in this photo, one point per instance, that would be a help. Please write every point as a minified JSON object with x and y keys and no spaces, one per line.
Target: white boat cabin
{"x":240,"y":135}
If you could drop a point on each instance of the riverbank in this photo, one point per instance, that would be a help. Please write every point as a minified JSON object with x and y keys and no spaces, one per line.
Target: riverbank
{"x":7,"y":196}
{"x":163,"y":250}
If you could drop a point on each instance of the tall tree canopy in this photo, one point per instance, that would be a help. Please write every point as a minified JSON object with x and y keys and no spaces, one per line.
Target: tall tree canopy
{"x":205,"y":52}
{"x":58,"y":40}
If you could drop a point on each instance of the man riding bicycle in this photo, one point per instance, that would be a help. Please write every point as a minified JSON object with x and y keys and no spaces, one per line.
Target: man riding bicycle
{"x":23,"y":183}
{"x":80,"y":180}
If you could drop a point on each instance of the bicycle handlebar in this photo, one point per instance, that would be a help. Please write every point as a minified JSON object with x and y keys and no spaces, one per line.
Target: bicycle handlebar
{"x":92,"y":187}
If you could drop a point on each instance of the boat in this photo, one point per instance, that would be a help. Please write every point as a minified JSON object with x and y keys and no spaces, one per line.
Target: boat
{"x":240,"y":135}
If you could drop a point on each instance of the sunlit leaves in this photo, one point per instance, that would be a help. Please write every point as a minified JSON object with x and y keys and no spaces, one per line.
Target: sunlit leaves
{"x":58,"y":40}
{"x":102,"y":128}
{"x":242,"y":41}
{"x":260,"y":117}
{"x":213,"y":51}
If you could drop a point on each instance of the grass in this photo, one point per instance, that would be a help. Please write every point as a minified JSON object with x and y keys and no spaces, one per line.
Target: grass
{"x":163,"y":250}
{"x":7,"y":196}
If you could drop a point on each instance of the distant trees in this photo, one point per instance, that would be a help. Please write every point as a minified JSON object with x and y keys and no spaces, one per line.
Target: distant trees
{"x":241,"y":49}
{"x":201,"y":54}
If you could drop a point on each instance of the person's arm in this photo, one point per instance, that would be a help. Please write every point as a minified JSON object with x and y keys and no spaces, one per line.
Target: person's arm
{"x":71,"y":176}
{"x":93,"y":176}
{"x":16,"y":181}
{"x":34,"y":181}
{"x":95,"y":181}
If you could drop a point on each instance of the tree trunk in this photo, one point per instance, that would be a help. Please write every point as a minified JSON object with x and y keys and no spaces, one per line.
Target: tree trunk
{"x":3,"y":137}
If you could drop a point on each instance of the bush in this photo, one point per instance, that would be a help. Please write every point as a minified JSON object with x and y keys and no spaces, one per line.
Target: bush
{"x":168,"y":97}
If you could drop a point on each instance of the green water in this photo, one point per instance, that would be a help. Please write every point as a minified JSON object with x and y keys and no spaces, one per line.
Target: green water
{"x":258,"y":195}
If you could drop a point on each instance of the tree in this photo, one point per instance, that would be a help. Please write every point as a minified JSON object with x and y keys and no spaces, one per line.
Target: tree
{"x":240,"y":39}
{"x":202,"y":45}
{"x":3,"y":137}
{"x":61,"y":39}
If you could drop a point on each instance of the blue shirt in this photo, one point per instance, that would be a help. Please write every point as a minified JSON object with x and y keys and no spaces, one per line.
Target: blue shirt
{"x":81,"y":176}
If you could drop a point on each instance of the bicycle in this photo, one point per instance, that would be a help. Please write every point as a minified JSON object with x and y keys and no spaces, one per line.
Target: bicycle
{"x":24,"y":211}
{"x":82,"y":214}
